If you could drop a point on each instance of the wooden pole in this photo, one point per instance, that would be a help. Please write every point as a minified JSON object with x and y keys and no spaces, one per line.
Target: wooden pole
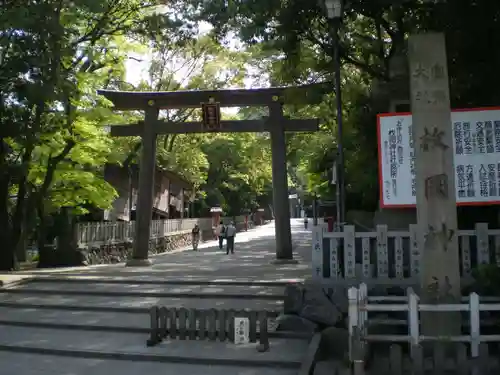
{"x":435,"y":179}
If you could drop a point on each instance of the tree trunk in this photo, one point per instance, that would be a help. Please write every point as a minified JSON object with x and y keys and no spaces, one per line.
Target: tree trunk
{"x":7,"y":258}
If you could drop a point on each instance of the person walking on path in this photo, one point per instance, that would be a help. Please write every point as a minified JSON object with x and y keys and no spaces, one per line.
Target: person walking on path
{"x":230,"y":233}
{"x":195,"y":236}
{"x":220,"y":231}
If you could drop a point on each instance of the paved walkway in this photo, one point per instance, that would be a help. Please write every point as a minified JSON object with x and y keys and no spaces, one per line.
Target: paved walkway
{"x":100,"y":312}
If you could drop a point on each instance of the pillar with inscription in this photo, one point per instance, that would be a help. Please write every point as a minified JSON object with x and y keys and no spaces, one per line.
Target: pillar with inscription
{"x":145,"y":193}
{"x":284,"y":250}
{"x":435,"y":179}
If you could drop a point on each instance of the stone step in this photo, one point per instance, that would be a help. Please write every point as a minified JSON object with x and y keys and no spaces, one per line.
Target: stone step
{"x":28,"y":364}
{"x":130,"y":287}
{"x":130,"y":304}
{"x":148,"y":280}
{"x":109,"y":319}
{"x":283,"y":353}
{"x":113,"y":291}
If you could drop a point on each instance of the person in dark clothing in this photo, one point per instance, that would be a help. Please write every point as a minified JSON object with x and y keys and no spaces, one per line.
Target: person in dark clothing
{"x":221,"y":233}
{"x":196,"y":236}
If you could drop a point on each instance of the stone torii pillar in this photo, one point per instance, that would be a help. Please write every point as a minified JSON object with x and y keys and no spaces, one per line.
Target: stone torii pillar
{"x":435,"y":180}
{"x":283,"y":232}
{"x":145,"y":195}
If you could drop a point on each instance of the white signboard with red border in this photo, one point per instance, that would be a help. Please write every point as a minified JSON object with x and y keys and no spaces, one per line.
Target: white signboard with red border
{"x":476,"y":148}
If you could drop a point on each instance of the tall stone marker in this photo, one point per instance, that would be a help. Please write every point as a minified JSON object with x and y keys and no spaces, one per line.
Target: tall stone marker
{"x":435,"y":179}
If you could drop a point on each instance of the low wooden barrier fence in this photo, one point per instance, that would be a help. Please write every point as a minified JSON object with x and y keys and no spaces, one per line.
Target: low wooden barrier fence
{"x":196,"y":324}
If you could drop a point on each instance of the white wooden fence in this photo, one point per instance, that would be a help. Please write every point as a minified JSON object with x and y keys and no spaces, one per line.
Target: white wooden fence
{"x":96,"y":233}
{"x":391,"y":256}
{"x":360,"y":304}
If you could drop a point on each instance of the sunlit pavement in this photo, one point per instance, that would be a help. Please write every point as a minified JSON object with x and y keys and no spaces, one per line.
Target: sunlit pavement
{"x":102,"y":311}
{"x":252,"y":260}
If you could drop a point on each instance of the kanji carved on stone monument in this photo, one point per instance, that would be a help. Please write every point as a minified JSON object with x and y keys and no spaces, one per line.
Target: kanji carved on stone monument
{"x":421,"y":72}
{"x":436,"y":186}
{"x":431,"y":140}
{"x":446,"y":234}
{"x":437,"y":292}
{"x":438,"y":71}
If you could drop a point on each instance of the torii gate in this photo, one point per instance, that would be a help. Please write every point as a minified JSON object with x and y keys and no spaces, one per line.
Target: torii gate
{"x":276,"y":124}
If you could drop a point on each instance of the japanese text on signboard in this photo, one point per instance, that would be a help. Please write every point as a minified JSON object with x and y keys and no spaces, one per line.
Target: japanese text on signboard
{"x":476,"y":148}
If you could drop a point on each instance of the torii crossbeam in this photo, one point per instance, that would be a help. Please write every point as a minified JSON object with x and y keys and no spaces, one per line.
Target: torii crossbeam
{"x":276,"y":124}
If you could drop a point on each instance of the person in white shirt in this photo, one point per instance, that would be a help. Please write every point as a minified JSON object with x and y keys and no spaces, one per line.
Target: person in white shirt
{"x":221,"y":233}
{"x":230,"y":233}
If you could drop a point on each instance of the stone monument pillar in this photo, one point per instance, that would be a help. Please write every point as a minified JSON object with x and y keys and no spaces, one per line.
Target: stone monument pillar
{"x":435,"y":179}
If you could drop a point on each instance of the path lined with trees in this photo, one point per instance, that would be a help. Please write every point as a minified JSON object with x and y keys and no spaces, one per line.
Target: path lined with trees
{"x":54,"y":55}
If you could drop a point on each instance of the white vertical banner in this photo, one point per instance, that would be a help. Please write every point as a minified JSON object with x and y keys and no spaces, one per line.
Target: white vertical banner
{"x":317,"y":252}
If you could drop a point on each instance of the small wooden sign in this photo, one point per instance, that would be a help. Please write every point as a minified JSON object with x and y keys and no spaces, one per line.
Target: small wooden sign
{"x":211,"y":116}
{"x":241,"y":331}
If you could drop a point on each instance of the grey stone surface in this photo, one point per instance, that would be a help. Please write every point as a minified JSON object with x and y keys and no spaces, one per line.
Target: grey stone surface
{"x":139,"y":263}
{"x":295,"y":323}
{"x":145,"y":288}
{"x":108,"y":319}
{"x":140,"y":302}
{"x":314,"y":302}
{"x":318,"y":308}
{"x":281,"y":349}
{"x":27,"y":364}
{"x":251,"y":262}
{"x":338,"y":296}
{"x":294,"y":298}
{"x":331,"y":368}
{"x":284,"y":261}
{"x":254,"y":251}
{"x":334,"y":344}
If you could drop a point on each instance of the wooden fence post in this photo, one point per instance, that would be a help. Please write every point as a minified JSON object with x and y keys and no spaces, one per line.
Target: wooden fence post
{"x":382,"y":253}
{"x":497,"y":250}
{"x":413,"y":321}
{"x":466,"y":263}
{"x":483,"y":252}
{"x":395,"y":359}
{"x":366,"y":262}
{"x":222,"y":325}
{"x":317,"y":255}
{"x":164,"y":316}
{"x":154,"y":328}
{"x":173,"y":323}
{"x":334,"y":256}
{"x":252,"y":317}
{"x":475,"y":324}
{"x":192,"y":328}
{"x":358,"y":353}
{"x":212,"y":324}
{"x":417,"y":360}
{"x":398,"y":257}
{"x":182,"y":314}
{"x":353,"y":313}
{"x":263,"y":334}
{"x":415,"y":258}
{"x":202,"y":324}
{"x":349,"y":252}
{"x":462,"y":360}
